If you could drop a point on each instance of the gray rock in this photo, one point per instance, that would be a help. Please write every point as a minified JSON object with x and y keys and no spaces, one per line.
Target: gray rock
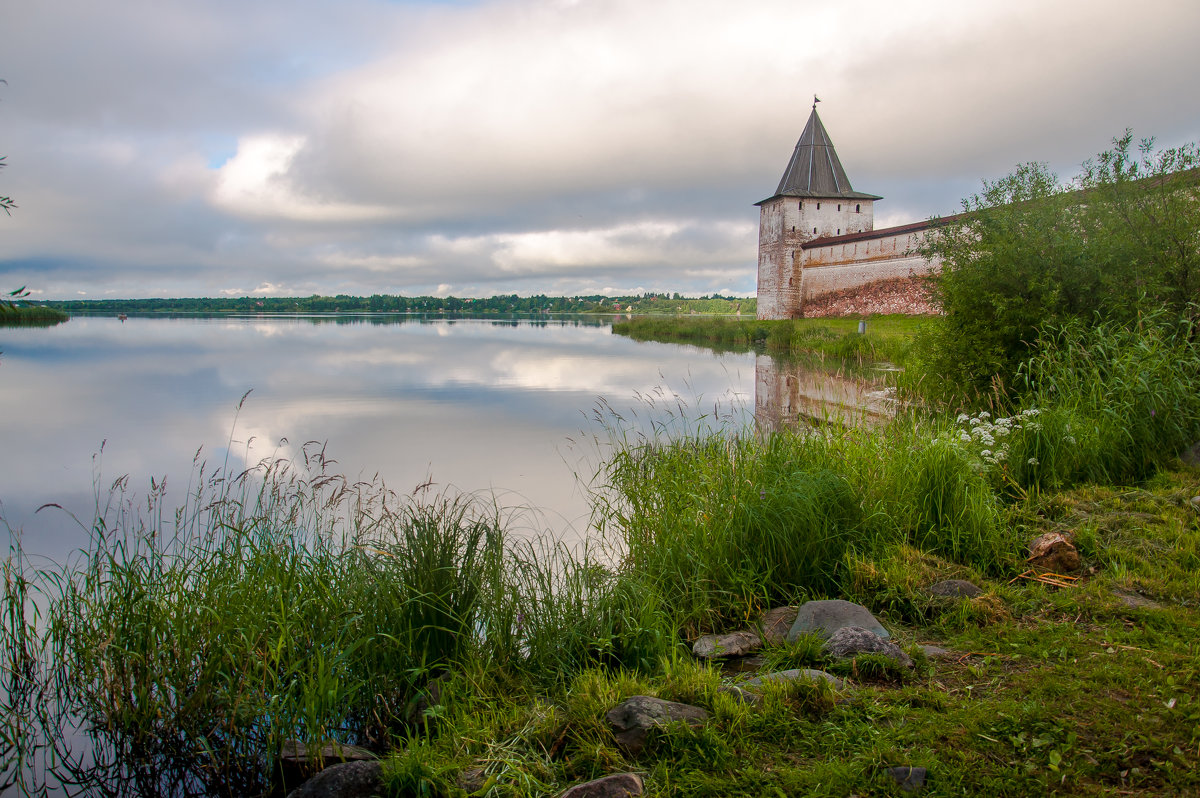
{"x":909,"y":778}
{"x":850,"y":641}
{"x":740,"y":695}
{"x":955,"y":588}
{"x":734,"y":644}
{"x":826,"y":617}
{"x":348,"y":780}
{"x":1135,"y":602}
{"x":1054,"y":551}
{"x":617,"y":786}
{"x":634,"y":717}
{"x":1195,"y":502}
{"x":1191,"y":455}
{"x":776,"y":623}
{"x":298,"y":753}
{"x":792,"y":675}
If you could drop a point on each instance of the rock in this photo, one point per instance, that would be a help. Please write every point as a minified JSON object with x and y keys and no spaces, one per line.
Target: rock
{"x":850,"y":641}
{"x":298,"y":761}
{"x":776,"y":623}
{"x":347,"y":780}
{"x":330,"y":751}
{"x":1195,"y":502}
{"x":618,"y":786}
{"x":909,"y":778}
{"x":955,"y":588}
{"x":1135,"y":602}
{"x":472,"y":779}
{"x":793,"y":675}
{"x":740,"y":695}
{"x":734,"y":644}
{"x":1191,"y":455}
{"x":826,"y":617}
{"x":750,"y":664}
{"x":634,"y":717}
{"x":1054,"y":551}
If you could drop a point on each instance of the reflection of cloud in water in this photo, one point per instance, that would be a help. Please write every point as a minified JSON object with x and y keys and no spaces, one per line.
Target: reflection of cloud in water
{"x":480,"y":405}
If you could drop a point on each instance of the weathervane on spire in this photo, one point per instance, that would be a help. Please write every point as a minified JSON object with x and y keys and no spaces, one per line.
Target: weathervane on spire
{"x":816,"y":100}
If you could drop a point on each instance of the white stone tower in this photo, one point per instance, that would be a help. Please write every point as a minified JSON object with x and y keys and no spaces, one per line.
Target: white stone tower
{"x":814,"y":200}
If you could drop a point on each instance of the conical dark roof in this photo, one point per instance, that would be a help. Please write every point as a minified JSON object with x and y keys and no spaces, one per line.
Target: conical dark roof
{"x":815,"y":170}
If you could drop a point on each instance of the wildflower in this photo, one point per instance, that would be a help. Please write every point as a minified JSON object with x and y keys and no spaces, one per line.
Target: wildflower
{"x":1070,"y":439}
{"x":986,"y":454}
{"x":1032,"y":461}
{"x":961,"y":418}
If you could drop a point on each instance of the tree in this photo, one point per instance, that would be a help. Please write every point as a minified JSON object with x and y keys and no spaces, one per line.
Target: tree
{"x":1031,"y":252}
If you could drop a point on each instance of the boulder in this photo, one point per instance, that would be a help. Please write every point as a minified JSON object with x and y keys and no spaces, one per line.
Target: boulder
{"x":360,"y":779}
{"x":616,"y":786}
{"x":739,"y":695}
{"x":826,"y":617}
{"x":937,"y":652}
{"x":776,"y":623}
{"x":955,"y":588}
{"x":909,"y":778}
{"x":633,"y":718}
{"x":734,"y":644}
{"x":298,"y":760}
{"x":850,"y":641}
{"x":792,"y":675}
{"x":1054,"y":551}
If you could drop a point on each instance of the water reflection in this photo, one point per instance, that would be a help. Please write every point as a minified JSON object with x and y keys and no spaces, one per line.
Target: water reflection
{"x":790,"y":393}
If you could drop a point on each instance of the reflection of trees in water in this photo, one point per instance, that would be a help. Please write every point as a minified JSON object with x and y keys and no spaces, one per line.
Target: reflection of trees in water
{"x":789,"y":393}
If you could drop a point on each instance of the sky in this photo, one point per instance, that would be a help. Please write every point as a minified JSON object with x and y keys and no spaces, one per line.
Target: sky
{"x":167,"y":148}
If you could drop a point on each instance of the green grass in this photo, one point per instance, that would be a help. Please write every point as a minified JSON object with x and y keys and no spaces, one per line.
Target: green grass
{"x":887,"y":337}
{"x":30,"y":315}
{"x":286,"y":602}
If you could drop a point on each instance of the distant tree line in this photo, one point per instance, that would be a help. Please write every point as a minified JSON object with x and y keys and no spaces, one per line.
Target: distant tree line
{"x":388,"y":303}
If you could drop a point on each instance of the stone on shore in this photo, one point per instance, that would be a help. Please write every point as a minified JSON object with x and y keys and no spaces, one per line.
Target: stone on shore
{"x":909,"y":778}
{"x":794,"y":674}
{"x":826,"y":617}
{"x":361,"y":779}
{"x":955,"y":588}
{"x":1055,"y":552}
{"x":776,"y":623}
{"x":734,"y":644}
{"x":633,"y":718}
{"x":850,"y":641}
{"x":620,"y":785}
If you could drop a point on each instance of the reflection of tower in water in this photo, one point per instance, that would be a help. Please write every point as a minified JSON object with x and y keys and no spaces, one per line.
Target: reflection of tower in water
{"x":788,"y":394}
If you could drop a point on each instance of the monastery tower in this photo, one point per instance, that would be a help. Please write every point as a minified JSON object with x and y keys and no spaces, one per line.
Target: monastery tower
{"x":814,"y":200}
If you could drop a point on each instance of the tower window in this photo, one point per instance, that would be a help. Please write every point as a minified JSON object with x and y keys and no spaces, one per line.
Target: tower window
{"x":800,"y":205}
{"x":793,"y":228}
{"x":818,"y":206}
{"x":814,"y":229}
{"x":839,"y":206}
{"x":858,"y":209}
{"x":839,"y":232}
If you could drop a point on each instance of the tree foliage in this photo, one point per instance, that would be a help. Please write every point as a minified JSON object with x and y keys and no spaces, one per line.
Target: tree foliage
{"x":1031,"y":252}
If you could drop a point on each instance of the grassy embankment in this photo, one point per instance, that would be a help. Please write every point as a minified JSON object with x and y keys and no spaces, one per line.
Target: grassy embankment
{"x":290,"y":603}
{"x":887,"y":337}
{"x":30,"y":316}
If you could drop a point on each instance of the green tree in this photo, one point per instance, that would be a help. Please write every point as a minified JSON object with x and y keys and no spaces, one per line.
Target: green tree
{"x":1030,"y":252}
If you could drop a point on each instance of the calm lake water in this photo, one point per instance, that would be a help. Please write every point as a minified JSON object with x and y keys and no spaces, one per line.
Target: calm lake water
{"x":500,"y":405}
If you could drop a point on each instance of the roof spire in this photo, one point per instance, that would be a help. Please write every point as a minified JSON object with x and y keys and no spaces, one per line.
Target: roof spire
{"x":814,"y":170}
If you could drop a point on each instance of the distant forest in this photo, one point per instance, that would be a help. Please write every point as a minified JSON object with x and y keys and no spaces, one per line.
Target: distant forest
{"x":380,"y":303}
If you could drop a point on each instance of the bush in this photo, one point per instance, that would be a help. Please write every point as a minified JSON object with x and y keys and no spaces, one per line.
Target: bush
{"x":1031,"y":252}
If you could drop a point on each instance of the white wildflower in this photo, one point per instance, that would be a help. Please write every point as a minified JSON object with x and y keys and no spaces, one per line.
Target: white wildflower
{"x":1032,"y":461}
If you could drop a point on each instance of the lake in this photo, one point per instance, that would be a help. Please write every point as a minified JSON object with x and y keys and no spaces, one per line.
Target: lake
{"x":499,"y":405}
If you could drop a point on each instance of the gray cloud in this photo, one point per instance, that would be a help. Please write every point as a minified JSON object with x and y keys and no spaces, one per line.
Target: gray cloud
{"x":176,"y":148}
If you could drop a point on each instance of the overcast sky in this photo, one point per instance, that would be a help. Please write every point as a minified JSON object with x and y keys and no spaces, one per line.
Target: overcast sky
{"x":292,"y":147}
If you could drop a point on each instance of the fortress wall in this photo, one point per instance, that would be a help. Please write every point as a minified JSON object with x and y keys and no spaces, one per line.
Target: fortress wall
{"x":820,"y":280}
{"x":844,"y":265}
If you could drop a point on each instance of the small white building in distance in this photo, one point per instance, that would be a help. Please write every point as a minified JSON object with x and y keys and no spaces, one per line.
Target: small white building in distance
{"x":817,"y":236}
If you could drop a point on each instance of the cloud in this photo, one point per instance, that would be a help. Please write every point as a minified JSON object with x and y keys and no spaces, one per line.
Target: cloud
{"x":173,"y":148}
